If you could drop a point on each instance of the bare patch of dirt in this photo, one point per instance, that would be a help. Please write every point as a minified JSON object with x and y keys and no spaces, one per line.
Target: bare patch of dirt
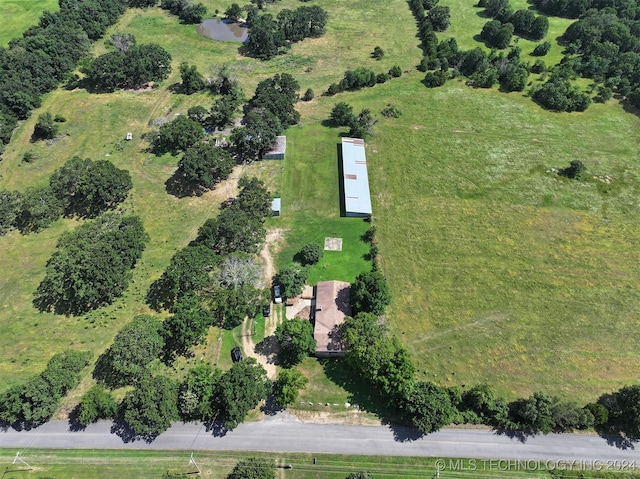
{"x":344,"y":417}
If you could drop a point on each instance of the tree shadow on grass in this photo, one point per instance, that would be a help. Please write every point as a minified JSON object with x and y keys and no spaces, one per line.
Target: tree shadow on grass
{"x":366,"y":399}
{"x":269,"y":348}
{"x":271,"y":406}
{"x":177,"y":185}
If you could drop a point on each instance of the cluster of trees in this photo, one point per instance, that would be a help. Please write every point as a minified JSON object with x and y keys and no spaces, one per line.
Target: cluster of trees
{"x":214,"y":280}
{"x":498,"y":32}
{"x":129,"y":66}
{"x":35,"y":401}
{"x":360,"y":126}
{"x":92,"y":264}
{"x":361,"y":77}
{"x":603,"y":46}
{"x":186,"y":10}
{"x":82,"y":188}
{"x":43,"y":57}
{"x":377,"y":357}
{"x":268,"y":36}
{"x":558,"y":94}
{"x":269,"y":112}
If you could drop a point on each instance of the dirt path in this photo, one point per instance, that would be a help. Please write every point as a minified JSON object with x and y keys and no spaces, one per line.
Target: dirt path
{"x":266,"y":350}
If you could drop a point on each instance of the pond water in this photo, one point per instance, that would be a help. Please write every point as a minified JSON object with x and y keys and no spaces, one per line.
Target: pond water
{"x":223,"y":30}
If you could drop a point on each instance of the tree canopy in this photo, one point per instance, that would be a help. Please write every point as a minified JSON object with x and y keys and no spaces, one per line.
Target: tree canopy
{"x":88,"y":188}
{"x":137,"y":344}
{"x":204,"y":165}
{"x":178,"y":135}
{"x":240,"y":390}
{"x":253,"y":468}
{"x":286,"y":388}
{"x":149,"y":409}
{"x":295,"y":337}
{"x":370,"y":293}
{"x":132,"y":68}
{"x":92,"y":265}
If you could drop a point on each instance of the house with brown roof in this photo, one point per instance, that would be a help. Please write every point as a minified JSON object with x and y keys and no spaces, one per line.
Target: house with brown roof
{"x":331,"y":307}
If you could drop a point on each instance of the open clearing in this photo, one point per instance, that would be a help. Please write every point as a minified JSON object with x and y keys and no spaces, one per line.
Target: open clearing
{"x":500,"y":272}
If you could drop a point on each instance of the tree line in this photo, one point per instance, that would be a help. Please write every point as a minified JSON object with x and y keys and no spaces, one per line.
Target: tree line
{"x":34,"y":402}
{"x":45,"y":55}
{"x":81,"y":187}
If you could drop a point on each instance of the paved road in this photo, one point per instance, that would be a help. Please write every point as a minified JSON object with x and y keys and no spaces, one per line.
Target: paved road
{"x":285,"y":434}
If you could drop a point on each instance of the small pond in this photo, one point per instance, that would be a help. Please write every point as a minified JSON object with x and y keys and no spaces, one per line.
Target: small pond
{"x":223,"y":30}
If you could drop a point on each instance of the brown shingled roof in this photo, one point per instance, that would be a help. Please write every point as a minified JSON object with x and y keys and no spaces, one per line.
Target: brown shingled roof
{"x":332,"y":305}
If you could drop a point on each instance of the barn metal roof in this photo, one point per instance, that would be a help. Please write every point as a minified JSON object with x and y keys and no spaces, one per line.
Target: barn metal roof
{"x":357,"y":198}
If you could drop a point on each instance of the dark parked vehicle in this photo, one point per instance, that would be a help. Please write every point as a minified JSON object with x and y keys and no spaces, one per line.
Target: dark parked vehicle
{"x":266,"y":310}
{"x":236,"y":355}
{"x":276,"y":294}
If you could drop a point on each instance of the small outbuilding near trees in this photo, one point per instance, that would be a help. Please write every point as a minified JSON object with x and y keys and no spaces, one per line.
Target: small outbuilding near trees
{"x":332,"y":305}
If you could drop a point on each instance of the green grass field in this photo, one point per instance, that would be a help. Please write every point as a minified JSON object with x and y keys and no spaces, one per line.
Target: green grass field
{"x":65,"y":464}
{"x":18,"y":15}
{"x":500,"y":271}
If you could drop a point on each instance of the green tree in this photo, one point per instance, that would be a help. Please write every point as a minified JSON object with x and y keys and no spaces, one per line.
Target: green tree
{"x":10,"y":207}
{"x":97,"y":403}
{"x":308,"y":95}
{"x":39,"y":208}
{"x":198,"y":113}
{"x":196,"y":392}
{"x":370,"y":293}
{"x":342,"y":114}
{"x":254,"y":198}
{"x":253,"y":468}
{"x":45,"y":128}
{"x":295,"y":337}
{"x":223,"y":111}
{"x":257,"y":136}
{"x":192,"y":80}
{"x":292,"y":280}
{"x":233,"y":231}
{"x":233,"y":304}
{"x":428,"y":407}
{"x":205,"y":165}
{"x":533,"y":414}
{"x":186,"y":327}
{"x":377,"y":53}
{"x":234,"y":12}
{"x":376,"y":356}
{"x":187,"y":272}
{"x":87,"y":188}
{"x":440,"y":18}
{"x":627,"y":414}
{"x":286,"y":388}
{"x":574,"y":171}
{"x":150,"y":408}
{"x":278,"y":95}
{"x":265,"y":38}
{"x":178,"y":135}
{"x":363,"y":125}
{"x":137,"y":344}
{"x":240,"y":390}
{"x":541,"y":49}
{"x":310,"y":253}
{"x":92,"y":265}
